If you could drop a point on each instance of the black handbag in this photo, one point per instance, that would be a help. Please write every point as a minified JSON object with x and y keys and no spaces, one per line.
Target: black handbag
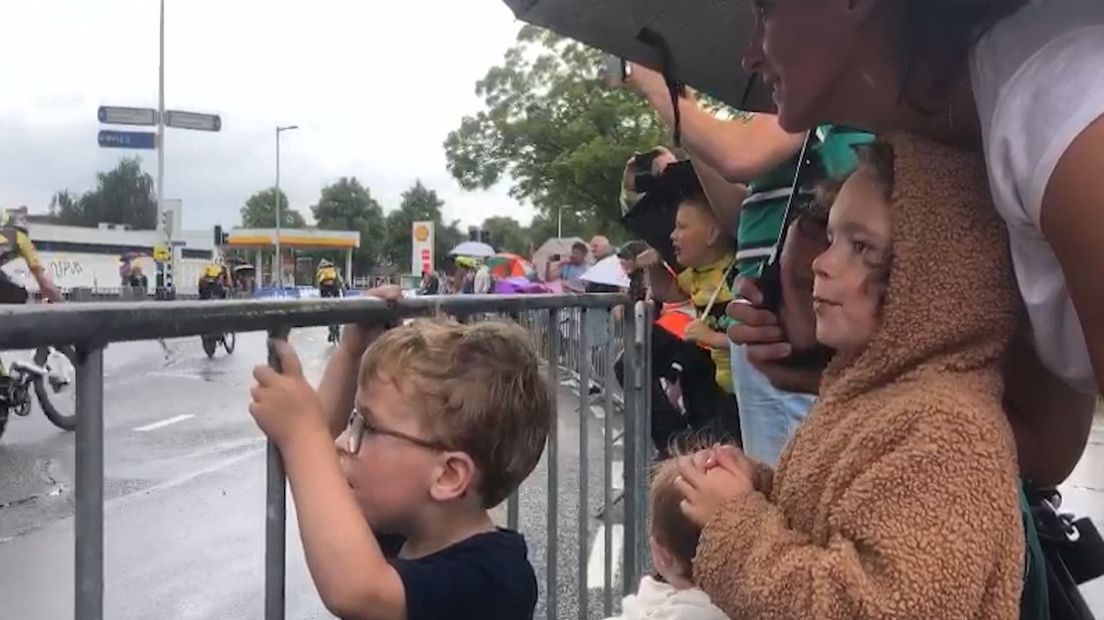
{"x":1073,"y":550}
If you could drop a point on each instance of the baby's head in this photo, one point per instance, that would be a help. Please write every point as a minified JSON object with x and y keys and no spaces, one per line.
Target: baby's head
{"x":449,"y":417}
{"x":850,"y":277}
{"x":674,"y":539}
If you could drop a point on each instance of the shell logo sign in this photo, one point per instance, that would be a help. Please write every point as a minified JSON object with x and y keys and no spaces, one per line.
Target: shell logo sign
{"x":421,"y":234}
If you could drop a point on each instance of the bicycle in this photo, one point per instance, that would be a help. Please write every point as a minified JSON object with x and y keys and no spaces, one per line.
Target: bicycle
{"x":53,"y":374}
{"x":211,"y":343}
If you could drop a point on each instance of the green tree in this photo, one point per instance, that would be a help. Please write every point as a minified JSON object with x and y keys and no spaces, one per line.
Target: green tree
{"x":554,"y":129}
{"x":260,"y":211}
{"x":124,"y":195}
{"x":507,"y":235}
{"x":419,"y":203}
{"x":348,"y":205}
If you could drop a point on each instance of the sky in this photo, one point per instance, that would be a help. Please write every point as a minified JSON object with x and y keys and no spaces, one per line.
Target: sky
{"x":374,"y":85}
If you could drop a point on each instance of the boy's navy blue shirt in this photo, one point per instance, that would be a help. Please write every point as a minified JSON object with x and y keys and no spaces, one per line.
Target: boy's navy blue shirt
{"x":485,"y":576}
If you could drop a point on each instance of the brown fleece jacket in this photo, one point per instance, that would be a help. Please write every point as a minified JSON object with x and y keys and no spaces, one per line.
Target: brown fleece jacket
{"x":898,"y":497}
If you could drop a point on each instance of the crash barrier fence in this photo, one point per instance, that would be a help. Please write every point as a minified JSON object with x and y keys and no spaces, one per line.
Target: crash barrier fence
{"x":578,"y":335}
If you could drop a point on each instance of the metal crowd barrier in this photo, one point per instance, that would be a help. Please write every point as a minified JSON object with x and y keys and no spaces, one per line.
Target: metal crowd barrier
{"x":576,"y":334}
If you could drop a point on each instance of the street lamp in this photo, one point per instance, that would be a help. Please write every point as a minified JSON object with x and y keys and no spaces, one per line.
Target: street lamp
{"x":279,"y":262}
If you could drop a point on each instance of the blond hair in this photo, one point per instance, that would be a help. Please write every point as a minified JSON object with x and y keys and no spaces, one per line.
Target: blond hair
{"x":480,"y":390}
{"x":670,"y":527}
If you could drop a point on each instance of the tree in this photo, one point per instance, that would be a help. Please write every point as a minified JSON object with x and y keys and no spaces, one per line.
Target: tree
{"x":122,"y":196}
{"x":260,"y":211}
{"x":555,"y":129}
{"x":348,"y":205}
{"x":418,"y":204}
{"x":507,"y":235}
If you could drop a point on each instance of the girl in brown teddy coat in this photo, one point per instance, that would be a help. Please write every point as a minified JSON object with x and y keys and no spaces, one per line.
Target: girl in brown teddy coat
{"x":898,"y":497}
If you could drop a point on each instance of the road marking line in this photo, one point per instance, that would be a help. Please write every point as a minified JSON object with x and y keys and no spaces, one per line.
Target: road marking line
{"x":596,"y":564}
{"x":163,"y":423}
{"x":617,"y":475}
{"x":175,"y":375}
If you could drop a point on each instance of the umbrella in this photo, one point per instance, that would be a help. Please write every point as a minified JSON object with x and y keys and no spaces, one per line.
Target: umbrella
{"x":695,"y":42}
{"x":244,"y":267}
{"x":520,"y":286}
{"x":506,"y":265}
{"x":607,"y":271}
{"x":473,"y":248}
{"x":652,"y":218}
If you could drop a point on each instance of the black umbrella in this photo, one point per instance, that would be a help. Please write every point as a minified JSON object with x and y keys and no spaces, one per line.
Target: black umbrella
{"x":693,"y":42}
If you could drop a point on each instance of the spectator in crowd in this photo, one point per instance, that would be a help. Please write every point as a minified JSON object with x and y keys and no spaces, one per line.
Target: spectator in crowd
{"x":600,"y":247}
{"x":137,"y":279}
{"x":482,"y":282}
{"x":447,"y":421}
{"x":707,"y":254}
{"x":855,"y":522}
{"x":571,"y":271}
{"x":671,"y":595}
{"x":431,"y":284}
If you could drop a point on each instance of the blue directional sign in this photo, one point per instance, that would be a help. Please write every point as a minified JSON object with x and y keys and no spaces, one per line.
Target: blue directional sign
{"x":128,"y":139}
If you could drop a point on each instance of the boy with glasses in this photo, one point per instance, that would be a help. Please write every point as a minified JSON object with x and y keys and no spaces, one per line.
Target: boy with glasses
{"x":447,"y":421}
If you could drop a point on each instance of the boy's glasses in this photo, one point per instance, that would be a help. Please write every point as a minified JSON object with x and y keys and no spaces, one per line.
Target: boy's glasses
{"x":359,"y":426}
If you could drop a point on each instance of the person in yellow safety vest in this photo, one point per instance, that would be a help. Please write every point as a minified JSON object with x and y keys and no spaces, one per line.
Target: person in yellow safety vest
{"x":15,"y":243}
{"x":214,"y":282}
{"x":328,"y":280}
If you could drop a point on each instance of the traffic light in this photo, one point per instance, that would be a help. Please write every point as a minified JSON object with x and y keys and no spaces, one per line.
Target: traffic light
{"x":166,"y":222}
{"x":221,"y":238}
{"x":473,"y":233}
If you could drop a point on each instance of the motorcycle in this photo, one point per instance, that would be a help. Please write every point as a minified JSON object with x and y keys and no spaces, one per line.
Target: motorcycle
{"x":53,"y":375}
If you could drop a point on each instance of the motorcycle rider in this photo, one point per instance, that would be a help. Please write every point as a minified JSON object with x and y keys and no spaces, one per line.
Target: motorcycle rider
{"x":327,"y":279}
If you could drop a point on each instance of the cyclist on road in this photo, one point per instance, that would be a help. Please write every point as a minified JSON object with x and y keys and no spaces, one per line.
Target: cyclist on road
{"x":214,"y":282}
{"x":15,"y":243}
{"x":327,"y":279}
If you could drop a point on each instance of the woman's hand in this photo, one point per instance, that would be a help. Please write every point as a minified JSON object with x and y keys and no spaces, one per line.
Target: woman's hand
{"x":706,"y":489}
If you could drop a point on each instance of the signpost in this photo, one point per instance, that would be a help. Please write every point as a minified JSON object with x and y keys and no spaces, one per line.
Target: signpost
{"x":118,"y":115}
{"x":128,"y":139}
{"x":193,"y":120}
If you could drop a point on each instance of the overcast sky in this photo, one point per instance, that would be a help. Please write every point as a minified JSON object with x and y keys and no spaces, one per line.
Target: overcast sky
{"x":375,"y":86}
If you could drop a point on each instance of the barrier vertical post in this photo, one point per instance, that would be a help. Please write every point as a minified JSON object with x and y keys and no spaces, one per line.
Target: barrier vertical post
{"x":584,"y":468}
{"x":275,"y":512}
{"x":633,"y":545}
{"x":607,"y":498}
{"x":89,"y":513}
{"x":551,"y":555}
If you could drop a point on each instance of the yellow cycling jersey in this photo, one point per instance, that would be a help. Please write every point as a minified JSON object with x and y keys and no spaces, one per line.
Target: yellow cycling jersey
{"x":326,"y":274}
{"x":14,"y":244}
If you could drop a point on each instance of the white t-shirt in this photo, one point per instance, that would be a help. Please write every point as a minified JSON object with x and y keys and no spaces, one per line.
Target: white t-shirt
{"x":1038,"y":80}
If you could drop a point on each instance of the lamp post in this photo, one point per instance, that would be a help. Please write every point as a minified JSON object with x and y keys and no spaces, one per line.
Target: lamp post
{"x":279,"y":267}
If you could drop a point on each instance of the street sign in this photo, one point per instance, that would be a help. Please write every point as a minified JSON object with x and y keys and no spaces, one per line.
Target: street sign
{"x":128,"y":139}
{"x":117,"y":115}
{"x":161,"y":254}
{"x":193,"y":120}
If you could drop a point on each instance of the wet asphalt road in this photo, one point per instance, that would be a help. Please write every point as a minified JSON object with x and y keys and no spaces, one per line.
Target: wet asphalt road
{"x":184,"y":490}
{"x":184,"y":494}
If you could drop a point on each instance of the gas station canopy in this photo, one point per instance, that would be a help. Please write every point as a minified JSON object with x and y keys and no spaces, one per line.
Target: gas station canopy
{"x":301,"y":239}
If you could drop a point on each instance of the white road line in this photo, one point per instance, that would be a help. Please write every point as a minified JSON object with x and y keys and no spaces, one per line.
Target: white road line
{"x":617,"y":475}
{"x":175,"y":375}
{"x":596,"y":564}
{"x":163,"y":423}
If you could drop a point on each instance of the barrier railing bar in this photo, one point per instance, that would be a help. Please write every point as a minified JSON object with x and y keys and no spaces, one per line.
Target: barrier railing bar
{"x":552,"y":502}
{"x":275,"y":513}
{"x":31,"y":326}
{"x":607,"y":499}
{"x":584,"y":469}
{"x":632,"y":414}
{"x":89,"y":513}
